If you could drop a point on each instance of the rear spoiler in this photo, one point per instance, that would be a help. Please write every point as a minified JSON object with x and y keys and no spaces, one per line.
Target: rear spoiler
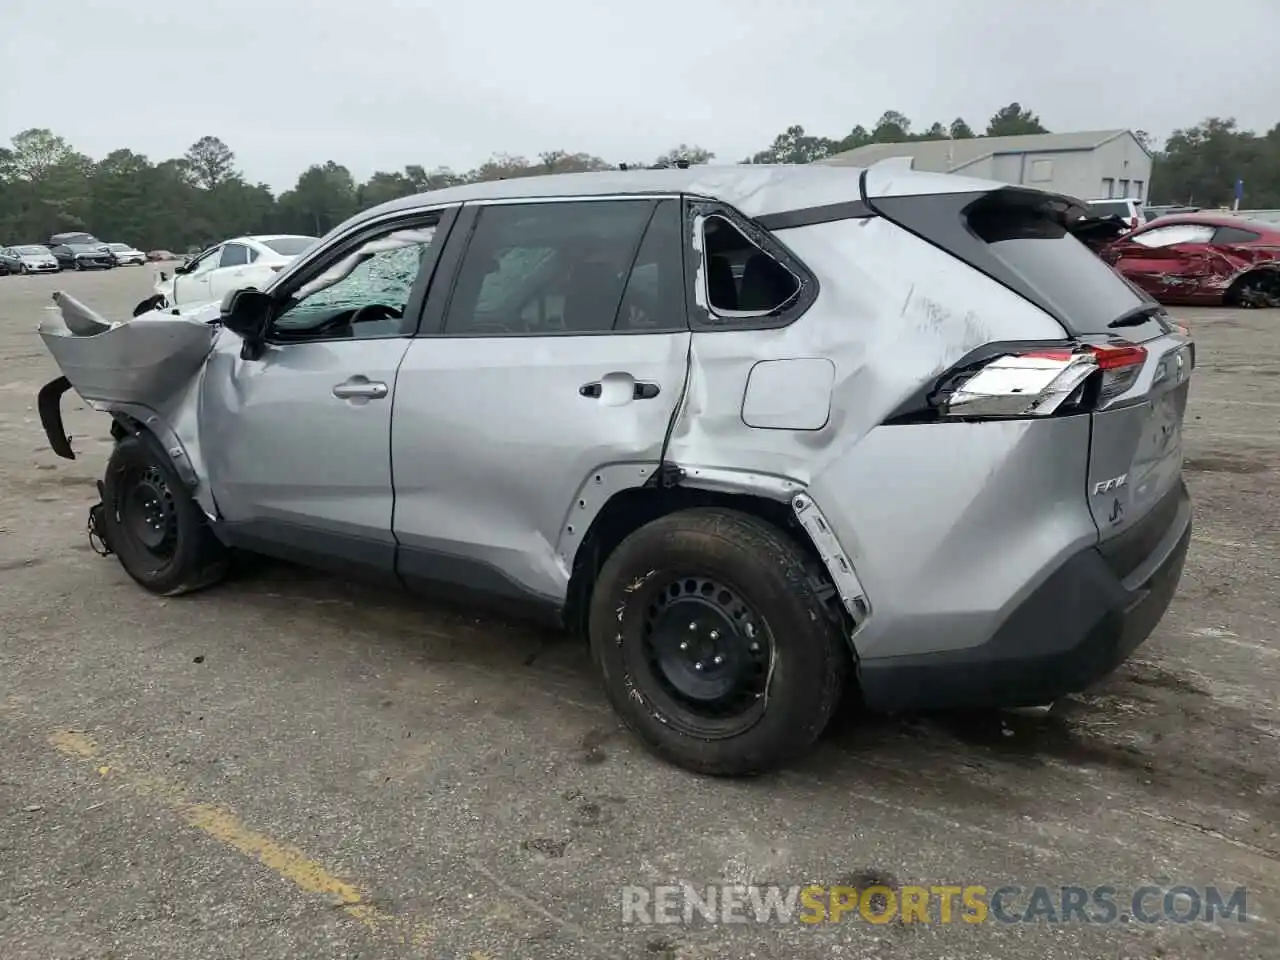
{"x":1059,"y":207}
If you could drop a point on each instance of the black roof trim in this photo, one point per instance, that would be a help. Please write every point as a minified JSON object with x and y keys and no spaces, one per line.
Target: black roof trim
{"x":808,"y":216}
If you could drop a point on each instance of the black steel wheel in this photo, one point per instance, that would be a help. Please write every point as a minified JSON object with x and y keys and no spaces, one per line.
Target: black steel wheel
{"x":157,"y":531}
{"x":148,"y":512}
{"x":707,"y":654}
{"x":715,"y":641}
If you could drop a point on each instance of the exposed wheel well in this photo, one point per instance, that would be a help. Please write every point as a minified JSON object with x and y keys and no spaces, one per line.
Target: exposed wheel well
{"x":1268,"y":294}
{"x":631,"y":509}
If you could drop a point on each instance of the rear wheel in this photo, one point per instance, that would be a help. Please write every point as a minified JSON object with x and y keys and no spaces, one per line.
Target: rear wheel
{"x":152,"y":524}
{"x":1260,"y":288}
{"x":713,"y":643}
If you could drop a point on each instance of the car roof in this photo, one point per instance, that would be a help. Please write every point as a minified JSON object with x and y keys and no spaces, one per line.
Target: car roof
{"x":754,"y":189}
{"x":1216,"y":220}
{"x":261,"y":238}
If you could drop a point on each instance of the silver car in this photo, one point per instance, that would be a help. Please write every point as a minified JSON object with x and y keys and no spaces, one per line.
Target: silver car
{"x":762,"y":434}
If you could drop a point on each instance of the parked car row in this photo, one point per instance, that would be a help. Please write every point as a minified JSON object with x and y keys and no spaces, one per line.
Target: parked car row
{"x":68,"y":251}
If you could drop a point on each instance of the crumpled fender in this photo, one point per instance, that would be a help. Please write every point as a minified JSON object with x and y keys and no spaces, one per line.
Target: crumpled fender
{"x":145,"y":372}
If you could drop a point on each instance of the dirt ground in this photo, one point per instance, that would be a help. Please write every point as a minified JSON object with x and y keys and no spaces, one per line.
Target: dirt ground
{"x":290,"y":765}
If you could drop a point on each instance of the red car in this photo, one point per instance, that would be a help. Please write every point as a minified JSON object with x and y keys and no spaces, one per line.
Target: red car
{"x":1202,"y":259}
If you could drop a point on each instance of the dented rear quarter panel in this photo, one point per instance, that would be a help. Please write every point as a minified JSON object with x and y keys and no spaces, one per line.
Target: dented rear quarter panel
{"x":942,"y":522}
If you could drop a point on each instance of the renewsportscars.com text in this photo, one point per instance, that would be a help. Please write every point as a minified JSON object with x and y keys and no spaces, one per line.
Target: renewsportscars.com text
{"x":935,"y":904}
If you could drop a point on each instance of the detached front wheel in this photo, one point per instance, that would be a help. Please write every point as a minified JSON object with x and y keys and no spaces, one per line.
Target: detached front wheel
{"x":713,"y":644}
{"x":158,"y":532}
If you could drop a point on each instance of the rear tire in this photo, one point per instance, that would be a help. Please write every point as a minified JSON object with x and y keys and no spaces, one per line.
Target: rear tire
{"x":154,"y":527}
{"x":1258,"y":289}
{"x":713,"y":645}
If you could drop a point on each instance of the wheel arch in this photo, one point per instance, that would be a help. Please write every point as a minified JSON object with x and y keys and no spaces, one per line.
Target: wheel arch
{"x":136,"y":420}
{"x":780,"y":503}
{"x":1271,"y":270}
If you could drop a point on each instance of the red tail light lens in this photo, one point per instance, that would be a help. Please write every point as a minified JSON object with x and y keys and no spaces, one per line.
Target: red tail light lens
{"x":1120,"y":365}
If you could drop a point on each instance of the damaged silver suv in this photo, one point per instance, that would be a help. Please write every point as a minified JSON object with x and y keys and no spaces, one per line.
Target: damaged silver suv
{"x":763,"y":434}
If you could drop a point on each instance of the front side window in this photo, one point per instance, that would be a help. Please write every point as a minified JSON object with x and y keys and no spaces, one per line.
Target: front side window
{"x":364,"y":294}
{"x":205,"y":262}
{"x":547,"y":268}
{"x":1174,"y":233}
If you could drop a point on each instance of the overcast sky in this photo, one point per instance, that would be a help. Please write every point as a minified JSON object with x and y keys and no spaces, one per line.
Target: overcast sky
{"x":377,"y":84}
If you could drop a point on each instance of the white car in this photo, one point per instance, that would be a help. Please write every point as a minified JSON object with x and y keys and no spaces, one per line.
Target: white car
{"x":232,"y":264}
{"x":1128,"y":209}
{"x":126,"y":254}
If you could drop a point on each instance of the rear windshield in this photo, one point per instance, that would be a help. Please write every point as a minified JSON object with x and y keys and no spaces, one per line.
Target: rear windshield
{"x":289,"y":246}
{"x":1031,"y":242}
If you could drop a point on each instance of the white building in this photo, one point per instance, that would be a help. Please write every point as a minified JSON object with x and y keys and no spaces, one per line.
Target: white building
{"x":1089,"y":165}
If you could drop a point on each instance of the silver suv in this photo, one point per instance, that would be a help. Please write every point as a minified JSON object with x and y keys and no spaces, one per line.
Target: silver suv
{"x":763,"y":434}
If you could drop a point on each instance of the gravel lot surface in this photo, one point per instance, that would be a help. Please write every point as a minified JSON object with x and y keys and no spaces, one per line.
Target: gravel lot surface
{"x":293,"y":766}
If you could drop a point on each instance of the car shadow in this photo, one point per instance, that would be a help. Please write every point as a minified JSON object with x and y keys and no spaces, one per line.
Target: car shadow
{"x":1141,"y":722}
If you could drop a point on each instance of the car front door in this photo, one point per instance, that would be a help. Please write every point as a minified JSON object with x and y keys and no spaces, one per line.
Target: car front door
{"x":548,"y":381}
{"x":296,"y":439}
{"x":192,"y":285}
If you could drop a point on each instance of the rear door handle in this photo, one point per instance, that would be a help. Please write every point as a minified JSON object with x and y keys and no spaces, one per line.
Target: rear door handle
{"x":643,"y":390}
{"x":360,"y":388}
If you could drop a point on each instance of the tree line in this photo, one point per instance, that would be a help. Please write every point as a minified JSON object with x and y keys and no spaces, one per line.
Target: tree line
{"x":188,"y":202}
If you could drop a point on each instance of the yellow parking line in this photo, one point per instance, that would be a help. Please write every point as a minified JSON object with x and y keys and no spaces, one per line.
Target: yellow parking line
{"x":283,"y":859}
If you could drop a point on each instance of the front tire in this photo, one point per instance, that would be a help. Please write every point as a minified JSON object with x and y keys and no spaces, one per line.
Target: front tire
{"x":713,"y":645}
{"x":154,"y":527}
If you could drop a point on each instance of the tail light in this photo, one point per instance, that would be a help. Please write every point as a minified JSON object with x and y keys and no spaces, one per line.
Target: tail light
{"x":1039,"y":383}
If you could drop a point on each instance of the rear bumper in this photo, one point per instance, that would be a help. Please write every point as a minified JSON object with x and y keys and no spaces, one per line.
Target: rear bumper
{"x":1075,"y":628}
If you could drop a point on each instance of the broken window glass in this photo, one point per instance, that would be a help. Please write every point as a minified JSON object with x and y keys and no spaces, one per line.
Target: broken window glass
{"x":741,"y":278}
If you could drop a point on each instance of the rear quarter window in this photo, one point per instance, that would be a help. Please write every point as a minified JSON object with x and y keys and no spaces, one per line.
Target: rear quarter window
{"x":1235,"y":235}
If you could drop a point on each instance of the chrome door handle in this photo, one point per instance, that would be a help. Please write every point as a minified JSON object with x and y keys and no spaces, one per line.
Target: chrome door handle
{"x":358,"y":388}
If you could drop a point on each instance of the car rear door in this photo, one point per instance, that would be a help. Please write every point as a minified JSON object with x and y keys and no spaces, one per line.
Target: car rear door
{"x":545,"y":377}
